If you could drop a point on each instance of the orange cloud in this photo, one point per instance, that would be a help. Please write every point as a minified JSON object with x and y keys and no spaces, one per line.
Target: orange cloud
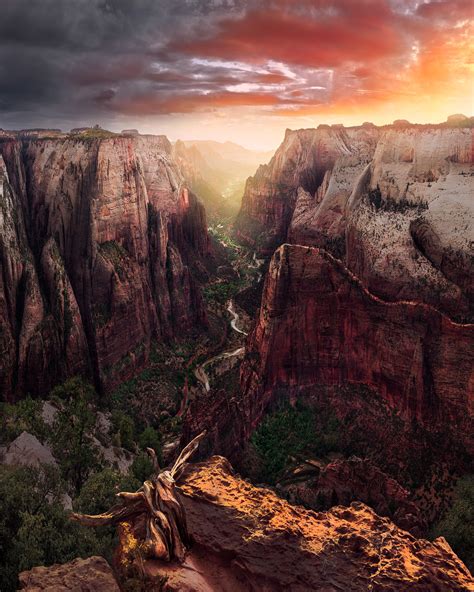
{"x":147,"y":105}
{"x":357,"y":31}
{"x":306,"y":57}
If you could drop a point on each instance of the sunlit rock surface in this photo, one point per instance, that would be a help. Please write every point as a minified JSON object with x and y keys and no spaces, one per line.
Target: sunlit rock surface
{"x":246,"y":538}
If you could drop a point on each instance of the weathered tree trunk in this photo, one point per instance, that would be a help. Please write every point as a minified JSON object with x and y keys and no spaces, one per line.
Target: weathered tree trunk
{"x":166,"y":535}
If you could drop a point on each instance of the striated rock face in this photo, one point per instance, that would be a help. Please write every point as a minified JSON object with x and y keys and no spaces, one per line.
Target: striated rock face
{"x":246,"y":538}
{"x":410,"y":221}
{"x":305,"y":160}
{"x":394,"y":203}
{"x":97,"y":235}
{"x":318,"y":325}
{"x":88,"y":575}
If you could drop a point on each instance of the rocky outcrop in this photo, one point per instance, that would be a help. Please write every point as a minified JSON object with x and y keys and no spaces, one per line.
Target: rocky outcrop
{"x":343,"y":481}
{"x":88,"y":575}
{"x":246,"y":538}
{"x":319,"y":325}
{"x":97,"y":237}
{"x":394,"y":203}
{"x":28,"y":450}
{"x":410,"y":221}
{"x":306,"y":159}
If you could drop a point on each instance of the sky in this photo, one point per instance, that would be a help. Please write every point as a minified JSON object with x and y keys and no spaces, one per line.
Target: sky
{"x":239,"y":70}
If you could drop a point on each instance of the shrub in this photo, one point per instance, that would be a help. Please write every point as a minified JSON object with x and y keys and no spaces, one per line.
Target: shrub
{"x":141,"y":468}
{"x":150,"y":438}
{"x":124,"y":425}
{"x":456,"y":524}
{"x":291,"y":432}
{"x":34,"y":527}
{"x":98,"y":492}
{"x":22,"y":416}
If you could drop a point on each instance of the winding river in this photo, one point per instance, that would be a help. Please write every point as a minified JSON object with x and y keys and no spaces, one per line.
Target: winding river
{"x":200,"y":372}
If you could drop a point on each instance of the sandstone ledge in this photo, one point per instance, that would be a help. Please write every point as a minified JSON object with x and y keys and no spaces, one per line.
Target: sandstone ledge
{"x":255,"y":538}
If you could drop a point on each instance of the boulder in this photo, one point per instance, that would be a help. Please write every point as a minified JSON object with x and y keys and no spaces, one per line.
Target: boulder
{"x":93,"y":574}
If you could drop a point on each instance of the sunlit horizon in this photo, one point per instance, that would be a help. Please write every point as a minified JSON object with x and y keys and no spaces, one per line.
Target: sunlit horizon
{"x":235,"y":70}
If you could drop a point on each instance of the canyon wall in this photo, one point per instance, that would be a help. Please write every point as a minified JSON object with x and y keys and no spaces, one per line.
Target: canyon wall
{"x":306,"y":160}
{"x":394,"y":203}
{"x":372,"y":291}
{"x":319,"y":325}
{"x":97,"y":235}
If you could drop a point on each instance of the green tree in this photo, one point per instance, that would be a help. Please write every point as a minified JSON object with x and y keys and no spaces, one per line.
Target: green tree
{"x":22,"y":416}
{"x":290,"y":432}
{"x":72,"y":433}
{"x":150,"y":438}
{"x":34,"y":527}
{"x":141,"y":468}
{"x":124,"y":426}
{"x":457,"y":525}
{"x":99,"y":491}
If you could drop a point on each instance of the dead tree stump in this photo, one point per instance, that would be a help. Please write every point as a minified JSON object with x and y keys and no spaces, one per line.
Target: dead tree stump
{"x":156,"y":503}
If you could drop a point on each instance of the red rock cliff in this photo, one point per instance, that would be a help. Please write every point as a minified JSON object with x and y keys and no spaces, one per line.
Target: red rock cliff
{"x":318,"y":325}
{"x":395,"y":204}
{"x":305,"y":159}
{"x":97,"y":237}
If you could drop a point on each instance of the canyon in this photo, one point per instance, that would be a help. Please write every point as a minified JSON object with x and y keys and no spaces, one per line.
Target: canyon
{"x":373,"y":284}
{"x":365,"y":313}
{"x":342,"y":296}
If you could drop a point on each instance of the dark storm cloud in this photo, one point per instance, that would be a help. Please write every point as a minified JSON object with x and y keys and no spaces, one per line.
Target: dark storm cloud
{"x":81,"y":60}
{"x":72,"y":56}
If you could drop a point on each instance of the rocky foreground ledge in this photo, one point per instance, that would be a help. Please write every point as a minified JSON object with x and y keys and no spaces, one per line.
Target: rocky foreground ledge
{"x":246,"y":538}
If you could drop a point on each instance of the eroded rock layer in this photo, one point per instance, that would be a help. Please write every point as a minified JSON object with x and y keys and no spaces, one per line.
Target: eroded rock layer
{"x":96,"y":239}
{"x":305,"y":160}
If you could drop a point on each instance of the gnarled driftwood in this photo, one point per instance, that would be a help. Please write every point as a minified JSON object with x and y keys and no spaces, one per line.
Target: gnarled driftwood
{"x":166,"y":535}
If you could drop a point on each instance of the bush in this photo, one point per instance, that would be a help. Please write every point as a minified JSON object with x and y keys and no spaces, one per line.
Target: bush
{"x":23,"y":416}
{"x":456,"y":526}
{"x":141,"y":468}
{"x":34,"y":527}
{"x":150,"y":438}
{"x":124,"y":426}
{"x":98,"y":493}
{"x":291,"y":432}
{"x":74,"y":388}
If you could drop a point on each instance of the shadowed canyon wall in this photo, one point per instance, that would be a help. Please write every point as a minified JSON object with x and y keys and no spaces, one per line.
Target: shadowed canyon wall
{"x":319,"y":325}
{"x":97,"y":234}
